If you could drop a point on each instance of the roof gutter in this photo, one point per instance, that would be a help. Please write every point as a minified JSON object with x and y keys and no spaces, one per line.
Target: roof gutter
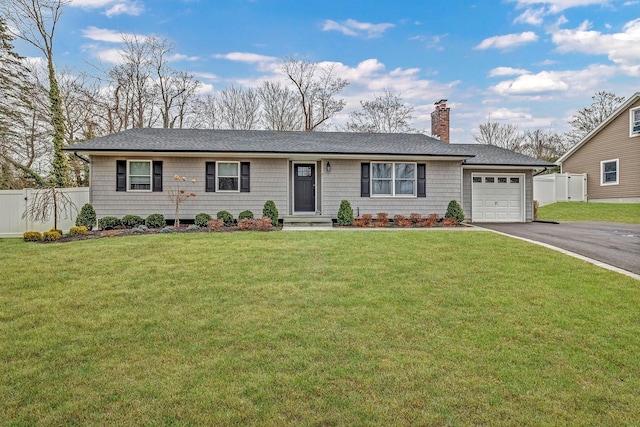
{"x":87,"y":161}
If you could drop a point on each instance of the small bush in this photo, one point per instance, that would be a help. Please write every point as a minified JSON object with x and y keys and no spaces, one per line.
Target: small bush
{"x":108,"y":222}
{"x":415,"y":218}
{"x":245,"y":214}
{"x":454,"y":210}
{"x":401,"y":221}
{"x":345,"y":213}
{"x":431,"y":220}
{"x":360,"y":222}
{"x":382,"y":219}
{"x":226,"y":217}
{"x":450,"y":222}
{"x":51,"y":236}
{"x":167,"y":229}
{"x":270,"y":211}
{"x":202,"y":219}
{"x":78,"y":231}
{"x":155,"y":221}
{"x":264,"y":224}
{"x":245,"y":224}
{"x":215,"y":224}
{"x":139,"y":229}
{"x":32,"y":236}
{"x":86,"y":217}
{"x":131,"y":221}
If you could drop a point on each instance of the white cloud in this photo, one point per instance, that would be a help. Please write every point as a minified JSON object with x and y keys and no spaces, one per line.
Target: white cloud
{"x":246,"y":57}
{"x":547,"y":84}
{"x":181,"y":57}
{"x":507,"y":71}
{"x":431,"y":42}
{"x":111,"y":56}
{"x":621,"y":48}
{"x":531,"y":16}
{"x":557,"y":6}
{"x":351,"y":27}
{"x":205,"y":75}
{"x":106,"y":35}
{"x":113,"y":7}
{"x":508,"y":41}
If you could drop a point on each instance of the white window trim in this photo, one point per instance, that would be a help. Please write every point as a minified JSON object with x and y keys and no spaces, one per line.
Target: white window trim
{"x":218,"y":176}
{"x":602,"y":183}
{"x":631,"y":114}
{"x":129,"y":189}
{"x":393,"y":180}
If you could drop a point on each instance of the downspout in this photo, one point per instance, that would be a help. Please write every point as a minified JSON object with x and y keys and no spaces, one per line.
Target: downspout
{"x":75,"y":153}
{"x":541,"y":172}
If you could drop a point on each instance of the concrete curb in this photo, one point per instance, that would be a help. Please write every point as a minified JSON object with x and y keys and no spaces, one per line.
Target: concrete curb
{"x":566,"y":252}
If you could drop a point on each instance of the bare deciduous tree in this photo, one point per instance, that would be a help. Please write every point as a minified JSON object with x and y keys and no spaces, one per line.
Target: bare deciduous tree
{"x":588,"y":118}
{"x":207,"y":113}
{"x":48,"y":202}
{"x":36,"y":21}
{"x":543,"y":145}
{"x":280,"y":107}
{"x":240,"y":108}
{"x":500,"y":134}
{"x":317,"y":88}
{"x":385,"y":114}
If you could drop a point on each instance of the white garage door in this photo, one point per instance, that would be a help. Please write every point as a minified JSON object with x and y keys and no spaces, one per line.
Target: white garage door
{"x":497,"y":198}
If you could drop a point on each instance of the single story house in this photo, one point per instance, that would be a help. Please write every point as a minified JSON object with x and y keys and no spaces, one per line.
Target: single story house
{"x":610,"y":156}
{"x":305,"y":173}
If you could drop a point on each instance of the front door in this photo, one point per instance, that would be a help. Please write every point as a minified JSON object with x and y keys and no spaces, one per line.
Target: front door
{"x":304,"y":187}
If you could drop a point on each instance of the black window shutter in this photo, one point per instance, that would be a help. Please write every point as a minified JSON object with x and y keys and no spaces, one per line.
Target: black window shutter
{"x":364,"y":179}
{"x":121,"y":175}
{"x":157,"y":175}
{"x":244,"y":177}
{"x":422,"y":180}
{"x":210,"y":172}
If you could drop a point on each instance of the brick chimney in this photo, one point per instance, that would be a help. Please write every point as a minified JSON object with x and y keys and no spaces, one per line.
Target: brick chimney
{"x":440,"y":121}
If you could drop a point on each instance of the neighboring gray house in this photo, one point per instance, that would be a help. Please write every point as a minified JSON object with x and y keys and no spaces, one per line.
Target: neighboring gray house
{"x":306,"y":173}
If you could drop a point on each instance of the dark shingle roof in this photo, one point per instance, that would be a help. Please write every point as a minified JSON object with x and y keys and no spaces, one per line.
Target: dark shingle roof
{"x":267,"y":142}
{"x":260,"y":141}
{"x":495,"y":156}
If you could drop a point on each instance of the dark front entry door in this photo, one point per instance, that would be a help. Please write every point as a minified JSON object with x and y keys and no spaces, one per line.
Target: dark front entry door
{"x":304,"y":187}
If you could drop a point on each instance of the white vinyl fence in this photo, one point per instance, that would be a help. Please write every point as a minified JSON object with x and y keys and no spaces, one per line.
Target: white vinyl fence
{"x":13,"y":203}
{"x":560,"y":187}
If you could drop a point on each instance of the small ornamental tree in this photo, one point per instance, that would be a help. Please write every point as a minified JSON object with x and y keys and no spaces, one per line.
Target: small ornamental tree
{"x":345,"y":213}
{"x":178,"y":194}
{"x":86,"y":217}
{"x":271,"y":211}
{"x":47,"y":203}
{"x":454,"y":210}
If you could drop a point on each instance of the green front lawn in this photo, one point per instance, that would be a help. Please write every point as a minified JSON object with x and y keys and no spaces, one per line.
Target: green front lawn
{"x":314,"y":328}
{"x":581,"y":211}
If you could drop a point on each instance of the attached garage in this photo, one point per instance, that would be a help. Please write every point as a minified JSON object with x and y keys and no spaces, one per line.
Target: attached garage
{"x":498,"y":197}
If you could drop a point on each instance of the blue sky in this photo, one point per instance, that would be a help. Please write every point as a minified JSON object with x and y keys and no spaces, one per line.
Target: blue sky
{"x":533,"y":63}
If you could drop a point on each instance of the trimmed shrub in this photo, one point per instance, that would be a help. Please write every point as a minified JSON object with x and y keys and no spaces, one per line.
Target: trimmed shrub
{"x":215,"y":224}
{"x":193,"y":227}
{"x":202,"y":219}
{"x":382,"y":219}
{"x":51,"y":236}
{"x":226,"y":217}
{"x":431,"y":220}
{"x":131,"y":221}
{"x":78,"y":231}
{"x":263,"y":224}
{"x":245,"y":215}
{"x":246,"y":224}
{"x":454,"y":210}
{"x":345,"y":213}
{"x":87,"y":216}
{"x":32,"y":236}
{"x":167,"y":229}
{"x":415,"y":218}
{"x":271,"y":211}
{"x":450,"y":222}
{"x":108,"y":222}
{"x":401,"y":221}
{"x":139,"y":229}
{"x":155,"y":221}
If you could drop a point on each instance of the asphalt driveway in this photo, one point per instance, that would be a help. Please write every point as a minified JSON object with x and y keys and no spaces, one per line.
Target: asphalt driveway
{"x":611,"y":243}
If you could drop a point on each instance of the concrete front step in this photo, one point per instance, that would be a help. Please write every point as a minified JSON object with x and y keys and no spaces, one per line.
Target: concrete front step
{"x":315,"y":221}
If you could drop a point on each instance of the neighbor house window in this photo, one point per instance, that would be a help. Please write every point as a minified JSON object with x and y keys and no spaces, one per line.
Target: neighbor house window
{"x":393,"y":179}
{"x":228,"y":176}
{"x":139,"y":175}
{"x":609,"y":172}
{"x":634,"y":125}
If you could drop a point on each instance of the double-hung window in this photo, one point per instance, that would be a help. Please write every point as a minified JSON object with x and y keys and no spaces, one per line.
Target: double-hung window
{"x":228,"y":176}
{"x":393,"y":179}
{"x":634,"y":125}
{"x":609,"y":172}
{"x":139,"y":175}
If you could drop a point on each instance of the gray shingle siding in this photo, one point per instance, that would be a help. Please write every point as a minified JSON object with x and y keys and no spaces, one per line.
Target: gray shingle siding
{"x":268,"y":182}
{"x":343,"y":182}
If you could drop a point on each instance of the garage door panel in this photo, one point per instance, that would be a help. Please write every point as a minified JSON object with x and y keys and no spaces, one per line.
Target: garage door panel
{"x":497,"y":198}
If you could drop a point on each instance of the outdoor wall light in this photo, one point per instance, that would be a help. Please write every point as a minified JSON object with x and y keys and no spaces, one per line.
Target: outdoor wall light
{"x":328,"y":166}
